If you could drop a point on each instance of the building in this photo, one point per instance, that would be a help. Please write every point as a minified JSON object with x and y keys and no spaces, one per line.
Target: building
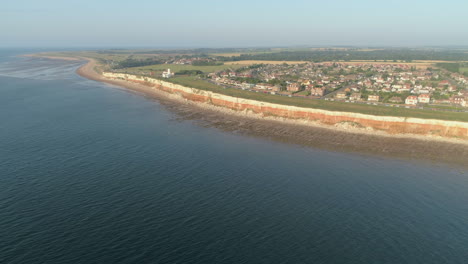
{"x":411,"y":100}
{"x":317,"y":91}
{"x":459,"y":100}
{"x":247,"y":85}
{"x":167,"y":74}
{"x":262,"y":86}
{"x":341,"y":95}
{"x":424,"y":98}
{"x":355,"y":97}
{"x":276,"y":88}
{"x":293,"y":87}
{"x":373,"y":98}
{"x":444,"y":83}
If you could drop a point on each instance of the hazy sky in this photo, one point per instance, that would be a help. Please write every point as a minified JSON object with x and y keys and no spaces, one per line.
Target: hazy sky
{"x":211,"y":23}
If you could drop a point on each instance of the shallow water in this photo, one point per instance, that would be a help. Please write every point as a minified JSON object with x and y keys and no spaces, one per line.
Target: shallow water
{"x":94,"y":174}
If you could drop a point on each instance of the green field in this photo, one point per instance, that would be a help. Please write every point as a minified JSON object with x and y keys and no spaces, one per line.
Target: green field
{"x":192,"y":81}
{"x":464,"y":69}
{"x":302,"y":93}
{"x":178,"y":67}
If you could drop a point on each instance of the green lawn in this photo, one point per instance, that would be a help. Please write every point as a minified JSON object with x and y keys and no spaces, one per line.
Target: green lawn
{"x":447,"y":107}
{"x":192,"y":81}
{"x":302,"y":93}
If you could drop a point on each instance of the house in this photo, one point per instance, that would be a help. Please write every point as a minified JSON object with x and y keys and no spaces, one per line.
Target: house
{"x":424,"y":98}
{"x":340,"y":95}
{"x":248,"y":85}
{"x":275,"y":88}
{"x":451,"y":88}
{"x":424,"y":91}
{"x":167,"y":74}
{"x":263,"y":86}
{"x":367,"y":83}
{"x":405,"y":88}
{"x":396,"y":87}
{"x":463,"y":93}
{"x":411,"y":100}
{"x":380,"y":80}
{"x":444,"y":83}
{"x":317,"y":91}
{"x":373,"y":98}
{"x":293,"y":87}
{"x":386,"y":90}
{"x":459,"y":100}
{"x":355,"y":97}
{"x":354,"y":88}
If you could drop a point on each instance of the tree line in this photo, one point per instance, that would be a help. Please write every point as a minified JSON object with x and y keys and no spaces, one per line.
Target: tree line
{"x":403,"y":55}
{"x":130,"y":62}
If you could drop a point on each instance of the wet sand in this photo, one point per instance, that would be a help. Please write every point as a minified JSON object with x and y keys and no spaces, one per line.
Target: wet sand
{"x":434,"y":150}
{"x":39,"y":55}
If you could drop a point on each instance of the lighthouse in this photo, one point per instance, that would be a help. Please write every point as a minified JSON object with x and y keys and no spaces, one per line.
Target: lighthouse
{"x":167,"y":74}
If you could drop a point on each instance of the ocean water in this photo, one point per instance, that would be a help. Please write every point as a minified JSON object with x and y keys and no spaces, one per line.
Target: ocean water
{"x":92,"y":173}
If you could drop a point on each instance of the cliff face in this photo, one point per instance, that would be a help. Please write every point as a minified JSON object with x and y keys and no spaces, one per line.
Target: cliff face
{"x":391,"y":125}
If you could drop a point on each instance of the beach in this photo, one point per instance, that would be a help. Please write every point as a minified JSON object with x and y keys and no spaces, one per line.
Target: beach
{"x":334,"y":138}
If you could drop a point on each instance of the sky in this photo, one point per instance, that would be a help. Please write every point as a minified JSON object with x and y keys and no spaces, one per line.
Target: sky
{"x":239,"y":23}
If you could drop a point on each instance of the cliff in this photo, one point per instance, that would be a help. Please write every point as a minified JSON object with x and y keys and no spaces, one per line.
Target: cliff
{"x":388,"y":124}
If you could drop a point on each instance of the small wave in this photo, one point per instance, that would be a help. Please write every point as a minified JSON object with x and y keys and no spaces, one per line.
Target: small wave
{"x":39,"y":69}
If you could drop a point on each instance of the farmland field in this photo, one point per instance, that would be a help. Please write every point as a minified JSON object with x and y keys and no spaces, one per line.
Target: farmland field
{"x":179,"y":67}
{"x":250,"y":62}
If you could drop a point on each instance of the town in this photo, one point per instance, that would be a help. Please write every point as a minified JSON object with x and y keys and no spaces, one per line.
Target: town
{"x":433,"y":85}
{"x":362,"y":82}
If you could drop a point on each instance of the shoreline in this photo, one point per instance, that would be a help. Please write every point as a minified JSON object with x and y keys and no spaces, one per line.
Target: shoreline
{"x":331,"y":138}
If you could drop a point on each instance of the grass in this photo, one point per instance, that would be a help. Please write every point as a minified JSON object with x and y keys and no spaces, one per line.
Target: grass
{"x":446,"y":107}
{"x":302,"y":93}
{"x":192,"y":81}
{"x":463,"y":69}
{"x":179,"y":67}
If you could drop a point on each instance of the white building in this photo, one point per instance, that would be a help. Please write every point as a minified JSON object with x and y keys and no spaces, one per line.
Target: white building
{"x":411,"y":100}
{"x":167,"y":74}
{"x":424,"y":98}
{"x":373,"y":98}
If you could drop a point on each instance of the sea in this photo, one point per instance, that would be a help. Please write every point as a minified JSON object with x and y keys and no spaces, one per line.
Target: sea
{"x":93,"y":173}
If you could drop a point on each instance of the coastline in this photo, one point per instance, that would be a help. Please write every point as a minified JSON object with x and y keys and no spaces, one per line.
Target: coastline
{"x":332,"y":138}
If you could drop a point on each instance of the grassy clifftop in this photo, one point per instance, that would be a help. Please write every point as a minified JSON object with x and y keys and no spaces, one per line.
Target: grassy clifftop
{"x":191,"y":81}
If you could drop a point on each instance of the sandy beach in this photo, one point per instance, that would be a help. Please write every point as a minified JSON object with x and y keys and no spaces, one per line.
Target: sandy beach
{"x":434,"y":149}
